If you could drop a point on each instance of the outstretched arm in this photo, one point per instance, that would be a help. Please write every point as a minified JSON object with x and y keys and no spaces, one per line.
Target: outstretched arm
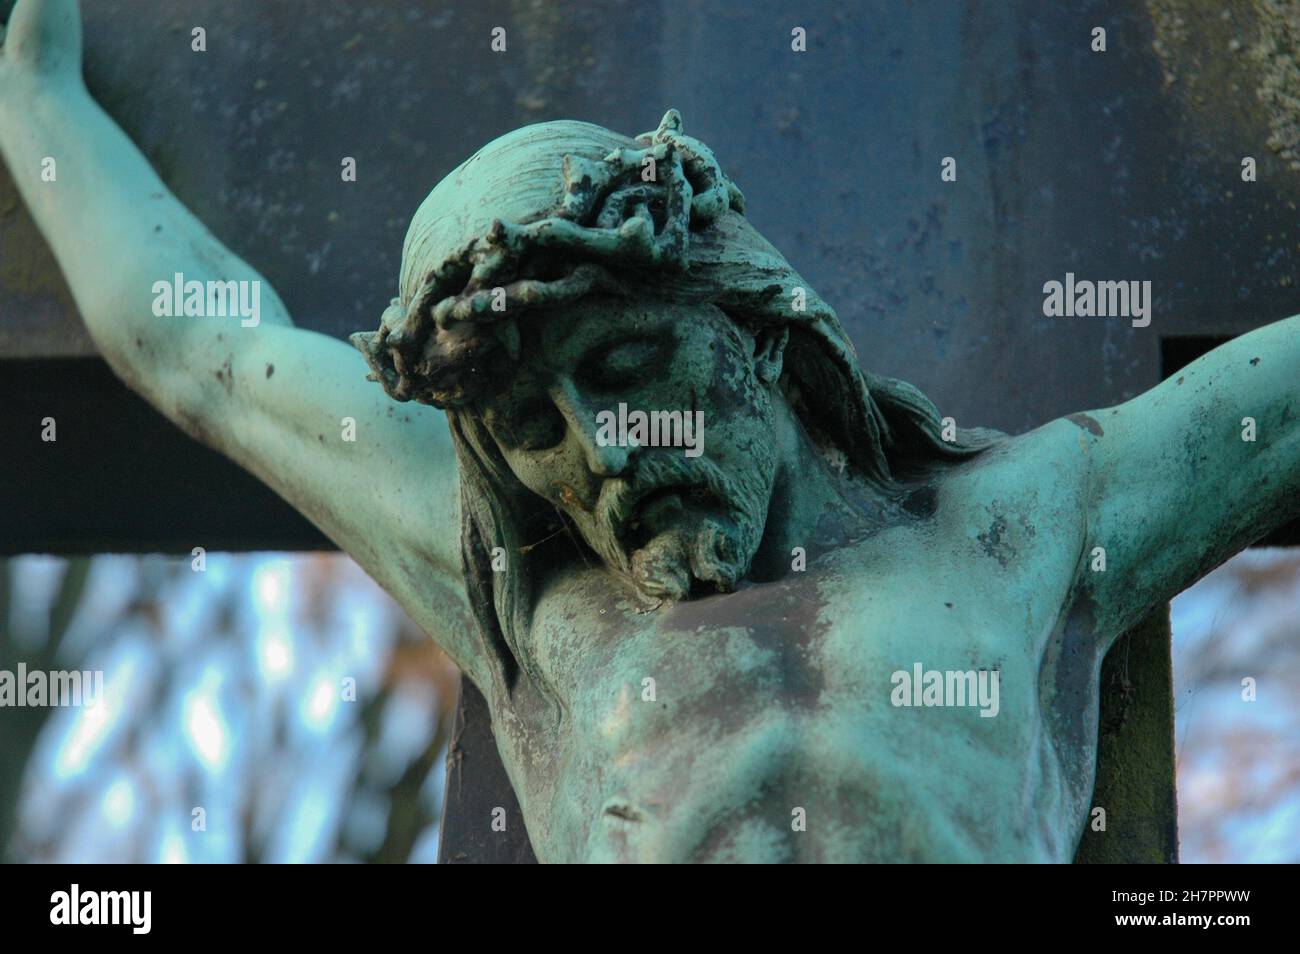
{"x":1194,"y":470}
{"x":270,"y":396}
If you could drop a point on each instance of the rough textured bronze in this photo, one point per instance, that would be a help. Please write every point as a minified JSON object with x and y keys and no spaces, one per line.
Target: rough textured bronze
{"x":1000,"y":540}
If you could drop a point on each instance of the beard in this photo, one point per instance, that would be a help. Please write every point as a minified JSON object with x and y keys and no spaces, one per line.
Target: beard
{"x":674,"y":522}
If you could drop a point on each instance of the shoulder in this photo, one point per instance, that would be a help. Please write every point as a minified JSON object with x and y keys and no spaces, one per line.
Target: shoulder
{"x":1046,"y":469}
{"x":1017,"y":514}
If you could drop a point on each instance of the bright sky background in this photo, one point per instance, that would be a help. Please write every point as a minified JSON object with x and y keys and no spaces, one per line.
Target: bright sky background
{"x":236,"y":689}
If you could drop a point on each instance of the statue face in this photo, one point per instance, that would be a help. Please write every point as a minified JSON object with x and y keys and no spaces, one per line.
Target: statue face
{"x":667,"y":519}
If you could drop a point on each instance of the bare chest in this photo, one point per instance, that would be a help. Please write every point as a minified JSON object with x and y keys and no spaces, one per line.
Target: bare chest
{"x":870,"y":698}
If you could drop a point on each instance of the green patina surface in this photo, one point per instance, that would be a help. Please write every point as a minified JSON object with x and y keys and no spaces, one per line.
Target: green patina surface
{"x":692,"y":658}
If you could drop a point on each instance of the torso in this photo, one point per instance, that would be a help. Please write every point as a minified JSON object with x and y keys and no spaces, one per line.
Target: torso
{"x":777,"y":697}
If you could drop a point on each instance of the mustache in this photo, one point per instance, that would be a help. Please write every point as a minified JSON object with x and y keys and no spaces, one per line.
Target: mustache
{"x":620,"y":496}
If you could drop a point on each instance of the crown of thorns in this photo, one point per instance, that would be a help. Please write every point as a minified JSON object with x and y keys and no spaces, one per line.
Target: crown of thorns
{"x":635,"y":208}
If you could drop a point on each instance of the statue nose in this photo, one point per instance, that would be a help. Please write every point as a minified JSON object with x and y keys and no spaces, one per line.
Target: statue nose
{"x":603,"y":459}
{"x":607,"y":461}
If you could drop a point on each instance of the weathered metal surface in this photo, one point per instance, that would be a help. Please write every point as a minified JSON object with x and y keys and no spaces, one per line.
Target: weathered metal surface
{"x":1113,"y":165}
{"x":1135,"y":753}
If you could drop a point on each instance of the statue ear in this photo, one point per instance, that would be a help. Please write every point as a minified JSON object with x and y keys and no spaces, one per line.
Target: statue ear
{"x":769,"y":352}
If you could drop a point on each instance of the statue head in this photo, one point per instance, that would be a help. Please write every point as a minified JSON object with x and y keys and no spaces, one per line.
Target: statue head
{"x":565,"y":275}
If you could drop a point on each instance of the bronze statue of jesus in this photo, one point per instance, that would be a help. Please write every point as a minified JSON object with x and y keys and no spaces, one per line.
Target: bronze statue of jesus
{"x":836,"y":628}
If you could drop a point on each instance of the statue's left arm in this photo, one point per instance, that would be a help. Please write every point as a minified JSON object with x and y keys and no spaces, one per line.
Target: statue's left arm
{"x":1191,"y":472}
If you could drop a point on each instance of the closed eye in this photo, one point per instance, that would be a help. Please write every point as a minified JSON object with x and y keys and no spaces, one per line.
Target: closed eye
{"x":626,"y":364}
{"x":532,"y":426}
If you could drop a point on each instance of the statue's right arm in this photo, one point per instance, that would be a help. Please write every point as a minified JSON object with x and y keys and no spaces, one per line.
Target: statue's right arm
{"x":271,"y":397}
